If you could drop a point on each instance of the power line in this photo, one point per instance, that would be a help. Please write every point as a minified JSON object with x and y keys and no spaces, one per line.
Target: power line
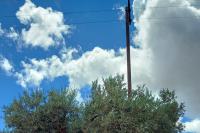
{"x":112,"y":10}
{"x":175,"y":18}
{"x":116,"y":20}
{"x":158,"y":18}
{"x":95,"y":22}
{"x":90,"y":11}
{"x":163,"y":21}
{"x":82,"y":23}
{"x":148,"y":19}
{"x":75,"y":12}
{"x":169,"y":6}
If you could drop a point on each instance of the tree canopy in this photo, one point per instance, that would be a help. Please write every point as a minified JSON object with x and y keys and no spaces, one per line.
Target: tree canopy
{"x":108,"y":110}
{"x":56,"y":111}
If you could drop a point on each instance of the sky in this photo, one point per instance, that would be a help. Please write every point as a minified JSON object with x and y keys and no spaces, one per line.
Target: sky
{"x":68,"y":44}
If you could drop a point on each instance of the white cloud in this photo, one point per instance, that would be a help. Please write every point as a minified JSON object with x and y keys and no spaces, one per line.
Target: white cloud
{"x":12,"y":34}
{"x":1,"y":30}
{"x":121,"y":12}
{"x":193,"y":126}
{"x":5,"y":65}
{"x":46,"y":26}
{"x":37,"y":71}
{"x":82,"y":71}
{"x":174,"y":40}
{"x":138,"y":8}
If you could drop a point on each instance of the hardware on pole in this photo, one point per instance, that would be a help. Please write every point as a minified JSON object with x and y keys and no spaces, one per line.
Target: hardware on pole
{"x":128,"y":23}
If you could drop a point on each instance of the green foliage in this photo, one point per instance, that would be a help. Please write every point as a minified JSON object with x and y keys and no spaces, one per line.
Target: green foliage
{"x":108,"y":110}
{"x":40,"y":112}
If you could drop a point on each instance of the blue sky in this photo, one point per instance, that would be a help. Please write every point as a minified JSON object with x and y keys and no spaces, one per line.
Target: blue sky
{"x":57,"y":43}
{"x":86,"y":36}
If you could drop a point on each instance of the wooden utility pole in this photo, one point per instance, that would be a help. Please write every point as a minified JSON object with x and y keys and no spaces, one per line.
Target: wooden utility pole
{"x":128,"y":23}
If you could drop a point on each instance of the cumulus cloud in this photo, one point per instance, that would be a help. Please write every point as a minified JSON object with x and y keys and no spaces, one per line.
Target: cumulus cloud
{"x":193,"y":126}
{"x":5,"y":65}
{"x":81,"y":71}
{"x":172,"y":35}
{"x":46,"y":26}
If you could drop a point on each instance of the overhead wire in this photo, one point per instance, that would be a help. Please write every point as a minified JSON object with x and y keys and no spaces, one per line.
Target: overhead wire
{"x":169,"y":6}
{"x":80,"y":23}
{"x":75,"y":12}
{"x":95,"y":22}
{"x":81,"y":12}
{"x":176,"y":18}
{"x":91,"y":11}
{"x":115,"y":11}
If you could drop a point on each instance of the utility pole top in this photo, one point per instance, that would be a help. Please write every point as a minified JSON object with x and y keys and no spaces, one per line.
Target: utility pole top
{"x":129,"y":12}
